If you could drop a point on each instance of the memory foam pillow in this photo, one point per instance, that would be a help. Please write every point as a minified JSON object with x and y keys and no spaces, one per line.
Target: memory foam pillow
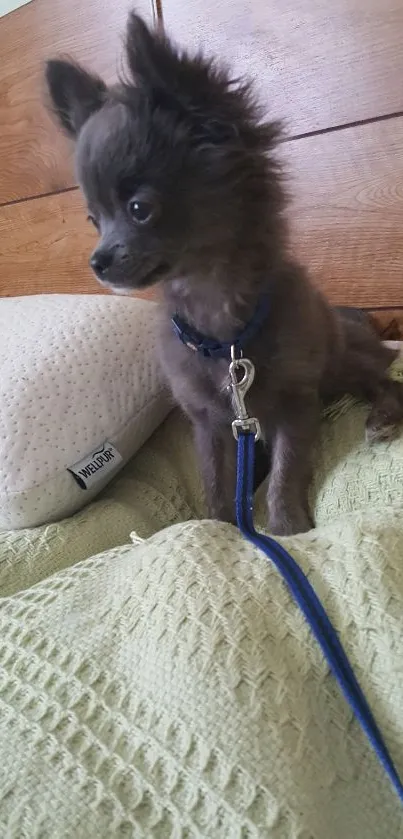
{"x":80,"y":392}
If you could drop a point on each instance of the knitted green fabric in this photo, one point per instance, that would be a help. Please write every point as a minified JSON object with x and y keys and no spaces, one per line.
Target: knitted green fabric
{"x":171,"y":688}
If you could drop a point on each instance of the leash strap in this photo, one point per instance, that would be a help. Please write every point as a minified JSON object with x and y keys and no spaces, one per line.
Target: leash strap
{"x":310,"y":605}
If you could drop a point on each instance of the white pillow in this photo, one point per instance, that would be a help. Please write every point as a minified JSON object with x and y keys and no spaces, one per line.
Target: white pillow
{"x":79,"y":382}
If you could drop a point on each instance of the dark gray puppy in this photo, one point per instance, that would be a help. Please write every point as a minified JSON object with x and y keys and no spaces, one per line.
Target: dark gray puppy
{"x":182,"y":182}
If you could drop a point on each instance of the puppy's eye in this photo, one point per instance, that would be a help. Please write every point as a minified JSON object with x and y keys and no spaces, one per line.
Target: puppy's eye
{"x":93,"y":221}
{"x":140,"y":211}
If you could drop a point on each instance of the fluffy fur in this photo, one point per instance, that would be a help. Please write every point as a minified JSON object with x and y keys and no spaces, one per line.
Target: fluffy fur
{"x":181,"y":179}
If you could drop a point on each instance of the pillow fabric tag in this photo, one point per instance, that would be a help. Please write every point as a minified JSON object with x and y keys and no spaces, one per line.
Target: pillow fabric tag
{"x":93,"y":468}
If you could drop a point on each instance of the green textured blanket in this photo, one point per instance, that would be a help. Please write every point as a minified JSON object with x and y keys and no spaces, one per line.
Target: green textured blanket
{"x":170,"y":687}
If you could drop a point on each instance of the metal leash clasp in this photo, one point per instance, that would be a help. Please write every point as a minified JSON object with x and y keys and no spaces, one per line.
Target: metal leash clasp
{"x":241,"y":377}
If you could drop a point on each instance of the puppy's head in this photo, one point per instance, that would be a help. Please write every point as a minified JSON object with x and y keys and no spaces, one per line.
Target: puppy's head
{"x":173,"y":162}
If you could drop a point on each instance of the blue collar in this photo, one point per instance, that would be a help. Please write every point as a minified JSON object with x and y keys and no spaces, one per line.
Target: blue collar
{"x":209,"y":347}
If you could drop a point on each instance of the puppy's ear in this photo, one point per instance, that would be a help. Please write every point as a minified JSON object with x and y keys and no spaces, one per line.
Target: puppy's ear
{"x":152,"y":59}
{"x":75,"y":94}
{"x":218,"y":112}
{"x":177,"y":79}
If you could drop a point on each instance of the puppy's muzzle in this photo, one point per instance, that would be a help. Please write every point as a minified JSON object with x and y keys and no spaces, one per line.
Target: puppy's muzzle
{"x":104,"y":259}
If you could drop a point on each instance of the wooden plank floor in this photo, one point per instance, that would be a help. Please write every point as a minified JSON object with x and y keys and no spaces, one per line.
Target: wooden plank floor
{"x":346,"y":180}
{"x":348,"y":210}
{"x":317,"y":63}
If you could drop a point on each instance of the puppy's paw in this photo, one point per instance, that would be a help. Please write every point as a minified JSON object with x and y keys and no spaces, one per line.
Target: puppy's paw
{"x":380,"y":432}
{"x":386,"y":416}
{"x":288,"y":523}
{"x":224,"y":514}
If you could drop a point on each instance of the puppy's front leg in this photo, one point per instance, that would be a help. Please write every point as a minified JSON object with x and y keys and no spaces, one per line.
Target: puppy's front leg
{"x":216,"y":451}
{"x":291,"y":469}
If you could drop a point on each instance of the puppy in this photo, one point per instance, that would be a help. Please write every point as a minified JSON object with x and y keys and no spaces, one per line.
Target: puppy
{"x":181,"y":179}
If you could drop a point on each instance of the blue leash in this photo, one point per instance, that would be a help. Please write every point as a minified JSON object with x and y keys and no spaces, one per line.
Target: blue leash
{"x":310,"y":605}
{"x":246,"y":431}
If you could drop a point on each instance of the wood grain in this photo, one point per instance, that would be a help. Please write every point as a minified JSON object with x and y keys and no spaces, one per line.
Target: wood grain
{"x":347,"y":213}
{"x":35,"y":158}
{"x":317,"y":63}
{"x":44,"y":246}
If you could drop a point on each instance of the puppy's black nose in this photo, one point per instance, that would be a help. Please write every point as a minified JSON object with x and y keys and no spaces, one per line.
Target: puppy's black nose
{"x":100,"y":261}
